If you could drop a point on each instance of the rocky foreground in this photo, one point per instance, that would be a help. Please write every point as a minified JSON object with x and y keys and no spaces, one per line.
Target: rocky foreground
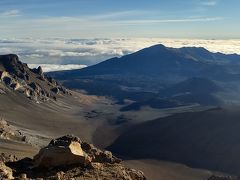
{"x":67,"y":158}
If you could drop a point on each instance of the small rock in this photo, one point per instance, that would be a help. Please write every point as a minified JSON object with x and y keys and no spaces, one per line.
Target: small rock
{"x":34,"y":86}
{"x":23,"y":176}
{"x":2,"y":91}
{"x":60,"y":175}
{"x":15,"y":86}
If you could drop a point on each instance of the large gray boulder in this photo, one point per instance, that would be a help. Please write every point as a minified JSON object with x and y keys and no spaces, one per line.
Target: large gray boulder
{"x":61,"y":152}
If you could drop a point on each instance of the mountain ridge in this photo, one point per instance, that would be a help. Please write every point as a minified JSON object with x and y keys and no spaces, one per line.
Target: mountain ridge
{"x":17,"y":76}
{"x":152,"y":70}
{"x":160,"y":55}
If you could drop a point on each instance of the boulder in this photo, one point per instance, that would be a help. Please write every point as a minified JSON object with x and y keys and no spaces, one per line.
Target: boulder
{"x":3,"y":74}
{"x":52,"y":81}
{"x":22,"y":177}
{"x":55,"y":90}
{"x":9,"y":132}
{"x":6,"y":78}
{"x":34,"y":86}
{"x":15,"y":86}
{"x":2,"y":91}
{"x":68,"y":150}
{"x":38,"y":71}
{"x":99,"y":156}
{"x":27,"y":92}
{"x":5,"y":172}
{"x":62,"y":152}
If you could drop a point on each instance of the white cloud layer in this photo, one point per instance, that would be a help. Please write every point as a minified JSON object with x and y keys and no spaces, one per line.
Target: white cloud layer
{"x":57,"y":67}
{"x":90,"y":51}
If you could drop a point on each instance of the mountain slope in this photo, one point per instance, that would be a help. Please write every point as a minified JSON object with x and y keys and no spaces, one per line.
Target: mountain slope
{"x":202,"y":54}
{"x":208,"y":139}
{"x":192,"y":85}
{"x":191,"y":91}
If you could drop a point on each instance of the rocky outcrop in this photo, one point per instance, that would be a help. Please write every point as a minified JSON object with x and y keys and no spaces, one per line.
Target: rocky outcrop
{"x":62,"y":152}
{"x":17,"y":76}
{"x":70,"y":158}
{"x":9,"y":132}
{"x":71,"y":150}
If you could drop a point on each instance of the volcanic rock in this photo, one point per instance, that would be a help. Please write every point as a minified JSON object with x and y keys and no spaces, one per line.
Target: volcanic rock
{"x":68,"y":157}
{"x":2,"y":91}
{"x":17,"y":76}
{"x":62,"y":151}
{"x":55,"y":90}
{"x":38,"y":71}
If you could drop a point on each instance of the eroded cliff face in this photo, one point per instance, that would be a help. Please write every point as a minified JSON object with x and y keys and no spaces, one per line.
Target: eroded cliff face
{"x":17,"y":76}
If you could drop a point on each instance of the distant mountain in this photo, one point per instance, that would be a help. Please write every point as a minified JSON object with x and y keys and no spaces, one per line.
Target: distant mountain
{"x":158,"y":60}
{"x":202,"y":54}
{"x":206,"y":140}
{"x":158,"y":71}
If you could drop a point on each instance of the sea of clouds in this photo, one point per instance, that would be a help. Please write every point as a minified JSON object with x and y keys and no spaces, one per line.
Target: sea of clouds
{"x":63,"y":54}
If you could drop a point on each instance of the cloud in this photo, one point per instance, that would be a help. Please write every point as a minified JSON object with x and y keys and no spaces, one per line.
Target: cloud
{"x":108,"y":21}
{"x":111,"y":24}
{"x":91,"y":51}
{"x":209,"y":3}
{"x":57,"y":67}
{"x":184,"y":20}
{"x":11,"y":13}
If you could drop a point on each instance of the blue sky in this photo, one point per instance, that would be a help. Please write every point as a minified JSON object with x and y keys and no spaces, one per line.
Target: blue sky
{"x":207,"y":19}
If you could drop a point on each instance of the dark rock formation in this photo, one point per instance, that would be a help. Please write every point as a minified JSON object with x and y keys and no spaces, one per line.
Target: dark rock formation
{"x":17,"y":76}
{"x":38,"y":71}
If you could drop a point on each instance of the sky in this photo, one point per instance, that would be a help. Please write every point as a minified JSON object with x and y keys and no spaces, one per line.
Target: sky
{"x":70,"y":34}
{"x":209,"y":19}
